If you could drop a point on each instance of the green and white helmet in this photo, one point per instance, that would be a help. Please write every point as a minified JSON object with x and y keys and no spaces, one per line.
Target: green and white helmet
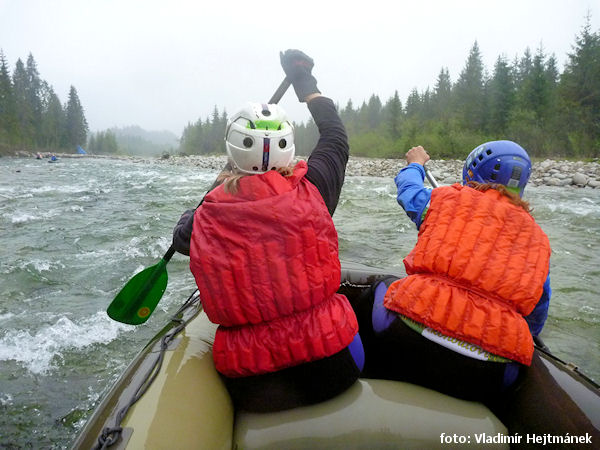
{"x":259,"y":138}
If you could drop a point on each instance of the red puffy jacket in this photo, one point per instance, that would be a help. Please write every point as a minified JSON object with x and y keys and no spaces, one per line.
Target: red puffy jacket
{"x":266,"y":263}
{"x":478,"y":267}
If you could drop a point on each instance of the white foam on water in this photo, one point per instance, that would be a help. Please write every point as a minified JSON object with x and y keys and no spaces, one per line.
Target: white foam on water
{"x":94,"y":254}
{"x":39,"y":265}
{"x":21,"y":218}
{"x":38,"y":352}
{"x":24,"y":217}
{"x":35,"y":266}
{"x":134,"y":250}
{"x":64,"y":189}
{"x":6,"y":316}
{"x":582,"y":207}
{"x":139,"y":174}
{"x":6,"y":399}
{"x":7,"y":190}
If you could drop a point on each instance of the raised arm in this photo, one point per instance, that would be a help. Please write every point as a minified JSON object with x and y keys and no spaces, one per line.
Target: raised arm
{"x":328,"y":160}
{"x":413,"y":196}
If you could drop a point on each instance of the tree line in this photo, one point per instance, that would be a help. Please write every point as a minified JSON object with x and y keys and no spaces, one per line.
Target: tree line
{"x":526,"y":100}
{"x":205,"y":137}
{"x":32,"y":116}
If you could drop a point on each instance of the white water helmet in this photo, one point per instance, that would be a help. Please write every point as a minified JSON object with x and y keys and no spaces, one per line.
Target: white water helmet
{"x":259,"y":137}
{"x":503,"y":162}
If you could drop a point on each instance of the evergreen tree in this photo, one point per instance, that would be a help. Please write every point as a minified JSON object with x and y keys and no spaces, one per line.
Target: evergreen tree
{"x":103,"y":143}
{"x":469,"y":89}
{"x":393,"y":113}
{"x":191,"y":139}
{"x":580,"y":92}
{"x":91,"y":146}
{"x":8,"y":108}
{"x":76,"y":125}
{"x":348,"y":116}
{"x":305,"y":137}
{"x":53,"y":119}
{"x":442,"y":95}
{"x":413,"y":103}
{"x":427,"y":109}
{"x":374,"y":111}
{"x":501,"y":96}
{"x":535,"y":89}
{"x":523,"y":68}
{"x":110,"y":142}
{"x":34,"y":97}
{"x":25,"y":132}
{"x":552,"y":76}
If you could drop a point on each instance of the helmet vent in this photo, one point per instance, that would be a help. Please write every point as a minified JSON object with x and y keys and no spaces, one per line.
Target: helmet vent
{"x":516,"y":173}
{"x":497,"y":167}
{"x":282,"y":143}
{"x":248,"y":142}
{"x":493,"y":176}
{"x":481,"y":157}
{"x":488,"y":152}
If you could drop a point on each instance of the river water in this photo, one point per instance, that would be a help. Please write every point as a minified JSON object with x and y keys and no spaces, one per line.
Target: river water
{"x":73,"y":233}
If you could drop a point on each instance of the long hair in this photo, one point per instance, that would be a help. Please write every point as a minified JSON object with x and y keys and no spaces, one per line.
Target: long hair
{"x":514,"y":198}
{"x":231,"y":179}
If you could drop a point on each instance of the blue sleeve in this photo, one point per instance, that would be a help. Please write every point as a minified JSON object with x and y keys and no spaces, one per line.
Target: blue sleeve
{"x":537,"y":318}
{"x":412,"y":195}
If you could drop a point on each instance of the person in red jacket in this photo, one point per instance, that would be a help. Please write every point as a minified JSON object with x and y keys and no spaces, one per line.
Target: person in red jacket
{"x":462,"y":320}
{"x":264,"y":253}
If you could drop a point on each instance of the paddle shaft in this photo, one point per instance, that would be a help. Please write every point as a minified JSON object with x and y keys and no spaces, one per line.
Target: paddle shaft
{"x":283,"y":87}
{"x":281,"y":90}
{"x":430,"y":177}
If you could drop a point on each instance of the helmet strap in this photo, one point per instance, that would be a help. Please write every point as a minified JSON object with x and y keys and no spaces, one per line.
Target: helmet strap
{"x":266,"y":151}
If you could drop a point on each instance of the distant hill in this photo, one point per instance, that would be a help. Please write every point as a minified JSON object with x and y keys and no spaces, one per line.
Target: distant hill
{"x":134,"y":140}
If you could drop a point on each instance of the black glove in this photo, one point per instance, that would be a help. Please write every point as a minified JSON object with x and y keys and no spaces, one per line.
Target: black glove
{"x":297,"y":67}
{"x":182,"y":233}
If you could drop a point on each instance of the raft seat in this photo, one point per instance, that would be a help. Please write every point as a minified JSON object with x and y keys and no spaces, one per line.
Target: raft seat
{"x":189,"y":400}
{"x":371,"y":414}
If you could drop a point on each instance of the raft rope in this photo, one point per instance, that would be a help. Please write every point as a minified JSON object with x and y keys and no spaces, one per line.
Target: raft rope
{"x":110,"y":435}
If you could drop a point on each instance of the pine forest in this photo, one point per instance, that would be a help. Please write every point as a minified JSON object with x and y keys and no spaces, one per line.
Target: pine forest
{"x":526,"y":99}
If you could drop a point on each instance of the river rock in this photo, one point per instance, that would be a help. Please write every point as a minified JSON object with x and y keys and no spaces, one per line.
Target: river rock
{"x":580,"y":179}
{"x":593,"y":183}
{"x":548,"y":172}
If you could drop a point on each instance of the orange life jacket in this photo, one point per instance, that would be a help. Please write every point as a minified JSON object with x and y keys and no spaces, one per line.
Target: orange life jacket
{"x":478,"y":267}
{"x":266,"y":263}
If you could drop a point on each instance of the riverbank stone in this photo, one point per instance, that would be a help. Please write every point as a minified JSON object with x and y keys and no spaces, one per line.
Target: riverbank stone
{"x":549,"y":172}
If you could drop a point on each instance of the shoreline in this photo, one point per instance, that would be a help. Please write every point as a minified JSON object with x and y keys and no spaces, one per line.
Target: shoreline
{"x":548,"y":172}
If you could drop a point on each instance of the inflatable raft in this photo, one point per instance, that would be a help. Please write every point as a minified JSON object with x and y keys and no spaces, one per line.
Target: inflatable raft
{"x":170,"y":397}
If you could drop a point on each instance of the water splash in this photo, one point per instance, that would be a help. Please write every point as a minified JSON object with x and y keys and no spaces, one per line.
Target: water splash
{"x":40,"y":352}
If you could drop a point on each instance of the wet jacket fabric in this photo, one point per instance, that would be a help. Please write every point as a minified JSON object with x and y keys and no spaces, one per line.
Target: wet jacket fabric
{"x":414,"y":198}
{"x":266,"y":263}
{"x":478,"y":267}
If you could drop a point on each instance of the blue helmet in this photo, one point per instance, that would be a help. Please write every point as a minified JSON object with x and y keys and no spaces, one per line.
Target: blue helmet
{"x":502,"y":162}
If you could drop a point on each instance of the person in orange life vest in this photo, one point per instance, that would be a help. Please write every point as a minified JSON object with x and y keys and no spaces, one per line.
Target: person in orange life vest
{"x":264,"y":252}
{"x":477,"y":286}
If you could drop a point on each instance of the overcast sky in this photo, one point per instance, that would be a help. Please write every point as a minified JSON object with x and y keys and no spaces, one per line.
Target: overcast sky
{"x":161,"y":64}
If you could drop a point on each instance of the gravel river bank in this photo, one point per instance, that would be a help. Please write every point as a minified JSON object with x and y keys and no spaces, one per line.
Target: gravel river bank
{"x":549,"y":172}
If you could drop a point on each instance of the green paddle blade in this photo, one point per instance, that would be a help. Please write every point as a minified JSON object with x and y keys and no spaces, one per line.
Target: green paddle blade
{"x":139,"y":297}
